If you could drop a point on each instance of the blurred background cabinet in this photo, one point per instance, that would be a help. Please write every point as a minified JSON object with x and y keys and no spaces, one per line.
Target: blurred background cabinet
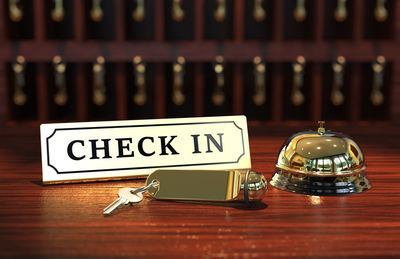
{"x":278,"y":62}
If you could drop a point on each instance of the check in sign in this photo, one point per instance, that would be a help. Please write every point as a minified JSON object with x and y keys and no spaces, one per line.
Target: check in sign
{"x":130,"y":149}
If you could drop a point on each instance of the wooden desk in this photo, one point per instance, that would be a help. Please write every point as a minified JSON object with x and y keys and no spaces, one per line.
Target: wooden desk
{"x":67,"y":220}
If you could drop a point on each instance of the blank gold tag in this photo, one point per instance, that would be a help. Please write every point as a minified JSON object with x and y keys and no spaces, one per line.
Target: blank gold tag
{"x":207,"y":185}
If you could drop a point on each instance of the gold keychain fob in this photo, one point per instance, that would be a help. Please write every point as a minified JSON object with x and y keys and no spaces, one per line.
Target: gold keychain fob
{"x":196,"y":185}
{"x":207,"y":185}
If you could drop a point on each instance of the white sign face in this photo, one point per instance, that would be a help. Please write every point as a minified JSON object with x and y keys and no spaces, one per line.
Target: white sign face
{"x":91,"y":151}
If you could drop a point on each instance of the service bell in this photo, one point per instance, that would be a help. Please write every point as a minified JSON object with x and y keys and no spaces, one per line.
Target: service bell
{"x":320,"y":163}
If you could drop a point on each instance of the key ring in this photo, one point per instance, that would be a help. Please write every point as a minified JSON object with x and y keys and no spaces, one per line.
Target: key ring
{"x":154,"y":184}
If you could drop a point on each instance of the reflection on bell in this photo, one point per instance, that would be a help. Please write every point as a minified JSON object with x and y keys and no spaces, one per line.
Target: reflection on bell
{"x":320,"y":163}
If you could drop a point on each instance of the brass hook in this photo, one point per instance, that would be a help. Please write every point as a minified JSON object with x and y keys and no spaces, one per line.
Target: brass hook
{"x":96,"y":12}
{"x":259,"y":12}
{"x":218,"y":96}
{"x":140,"y":97}
{"x":177,"y":11}
{"x":99,"y":88}
{"x":61,"y":96}
{"x":259,"y":95}
{"x":300,"y":12}
{"x":338,"y":66}
{"x":378,"y":67}
{"x":220,"y":10}
{"x":297,"y":96}
{"x":340,"y":11}
{"x":380,"y":11}
{"x":19,"y":96}
{"x":15,"y":11}
{"x":178,"y":97}
{"x":57,"y":14}
{"x":139,"y":13}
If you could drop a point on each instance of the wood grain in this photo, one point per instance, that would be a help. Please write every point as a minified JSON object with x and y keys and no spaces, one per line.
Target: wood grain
{"x":67,"y":220}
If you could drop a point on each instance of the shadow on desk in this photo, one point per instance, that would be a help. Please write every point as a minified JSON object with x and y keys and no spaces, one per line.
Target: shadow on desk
{"x":240,"y":205}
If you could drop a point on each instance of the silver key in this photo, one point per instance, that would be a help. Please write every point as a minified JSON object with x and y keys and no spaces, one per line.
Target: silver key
{"x":126,"y":196}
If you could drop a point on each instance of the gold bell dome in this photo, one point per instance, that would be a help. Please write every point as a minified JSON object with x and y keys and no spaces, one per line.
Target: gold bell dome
{"x":320,"y":163}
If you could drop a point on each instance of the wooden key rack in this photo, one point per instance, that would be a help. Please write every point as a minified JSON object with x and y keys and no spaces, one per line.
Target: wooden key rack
{"x":242,"y":34}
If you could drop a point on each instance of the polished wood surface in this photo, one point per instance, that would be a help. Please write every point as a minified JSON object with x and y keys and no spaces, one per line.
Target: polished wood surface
{"x":67,"y":220}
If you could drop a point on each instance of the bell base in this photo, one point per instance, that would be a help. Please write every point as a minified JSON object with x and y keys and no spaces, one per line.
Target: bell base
{"x":320,"y":185}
